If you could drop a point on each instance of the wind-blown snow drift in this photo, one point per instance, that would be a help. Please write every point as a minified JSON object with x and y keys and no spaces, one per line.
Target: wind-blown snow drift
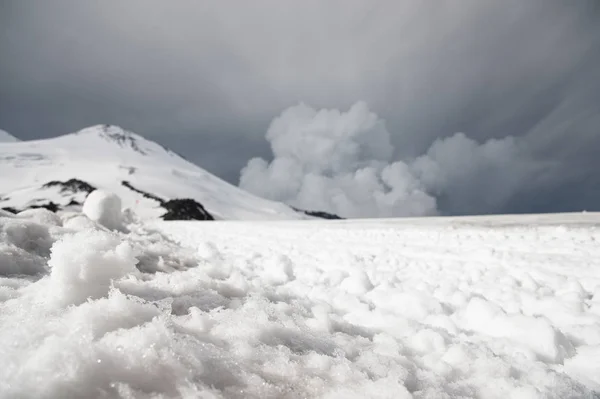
{"x":342,"y":162}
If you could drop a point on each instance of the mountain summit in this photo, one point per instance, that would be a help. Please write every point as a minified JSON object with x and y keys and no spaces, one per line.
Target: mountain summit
{"x":151,"y":180}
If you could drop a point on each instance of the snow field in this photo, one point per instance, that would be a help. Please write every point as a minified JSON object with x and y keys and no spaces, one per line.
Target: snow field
{"x":297,"y":309}
{"x":471,"y":311}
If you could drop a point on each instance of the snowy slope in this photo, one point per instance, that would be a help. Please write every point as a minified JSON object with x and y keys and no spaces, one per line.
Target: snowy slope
{"x":479,"y":307}
{"x":6,"y":137}
{"x":105,"y":156}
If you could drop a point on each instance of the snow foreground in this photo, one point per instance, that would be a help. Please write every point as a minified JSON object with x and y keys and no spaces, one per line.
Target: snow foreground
{"x":503,"y":307}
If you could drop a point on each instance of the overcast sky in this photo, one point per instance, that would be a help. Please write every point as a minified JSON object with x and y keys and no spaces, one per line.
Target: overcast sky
{"x":207,"y":78}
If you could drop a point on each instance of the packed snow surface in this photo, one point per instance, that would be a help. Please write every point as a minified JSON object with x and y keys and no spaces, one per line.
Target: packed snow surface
{"x":494,"y":307}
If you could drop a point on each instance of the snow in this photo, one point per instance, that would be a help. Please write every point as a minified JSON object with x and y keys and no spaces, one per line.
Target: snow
{"x":7,"y":137}
{"x":481,"y":307}
{"x":106,"y":156}
{"x":105,"y":208}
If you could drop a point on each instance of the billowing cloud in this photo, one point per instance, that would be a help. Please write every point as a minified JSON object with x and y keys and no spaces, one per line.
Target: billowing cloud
{"x":342,"y":162}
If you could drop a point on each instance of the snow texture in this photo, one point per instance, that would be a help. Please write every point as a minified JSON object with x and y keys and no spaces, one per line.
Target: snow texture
{"x":494,"y":307}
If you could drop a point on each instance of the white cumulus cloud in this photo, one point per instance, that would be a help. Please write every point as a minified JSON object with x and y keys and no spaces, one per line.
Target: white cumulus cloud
{"x":343,"y":162}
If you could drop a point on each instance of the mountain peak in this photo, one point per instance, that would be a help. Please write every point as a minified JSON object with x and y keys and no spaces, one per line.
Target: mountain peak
{"x":105,"y":130}
{"x":121,"y":137}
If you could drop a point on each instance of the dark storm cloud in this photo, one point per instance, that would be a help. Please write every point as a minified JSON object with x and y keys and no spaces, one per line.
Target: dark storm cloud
{"x":206,"y":78}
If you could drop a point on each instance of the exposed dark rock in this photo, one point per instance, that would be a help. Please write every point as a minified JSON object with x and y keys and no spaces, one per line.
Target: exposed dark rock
{"x":144,"y":193}
{"x":122,"y":137}
{"x":51,"y":206}
{"x":185,"y":209}
{"x":319,"y":214}
{"x":71,"y":185}
{"x":177,"y":209}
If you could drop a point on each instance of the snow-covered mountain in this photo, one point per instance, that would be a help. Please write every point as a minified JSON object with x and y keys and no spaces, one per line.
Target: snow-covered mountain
{"x":59,"y":173}
{"x":6,"y":137}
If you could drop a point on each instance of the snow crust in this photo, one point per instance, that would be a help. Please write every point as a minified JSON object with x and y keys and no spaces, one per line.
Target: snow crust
{"x":505,"y":307}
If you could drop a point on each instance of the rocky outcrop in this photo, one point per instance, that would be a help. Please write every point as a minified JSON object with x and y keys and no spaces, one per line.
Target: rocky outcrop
{"x":178,"y":208}
{"x":319,"y":214}
{"x":185,"y":209}
{"x":51,"y":206}
{"x":71,"y":186}
{"x":145,"y":194}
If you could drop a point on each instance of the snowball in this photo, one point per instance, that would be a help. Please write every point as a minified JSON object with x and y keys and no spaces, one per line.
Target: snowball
{"x":84,"y":265}
{"x":105,"y":208}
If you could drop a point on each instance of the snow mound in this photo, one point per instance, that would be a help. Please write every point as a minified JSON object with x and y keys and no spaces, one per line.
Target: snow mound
{"x":104,"y":208}
{"x":85,"y":264}
{"x":41,"y":216}
{"x":536,"y":334}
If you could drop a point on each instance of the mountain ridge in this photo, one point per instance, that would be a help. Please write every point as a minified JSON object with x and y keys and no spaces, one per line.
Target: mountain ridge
{"x":60,"y":171}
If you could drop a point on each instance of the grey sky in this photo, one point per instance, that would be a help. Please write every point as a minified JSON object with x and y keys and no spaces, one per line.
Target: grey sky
{"x":206,"y":78}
